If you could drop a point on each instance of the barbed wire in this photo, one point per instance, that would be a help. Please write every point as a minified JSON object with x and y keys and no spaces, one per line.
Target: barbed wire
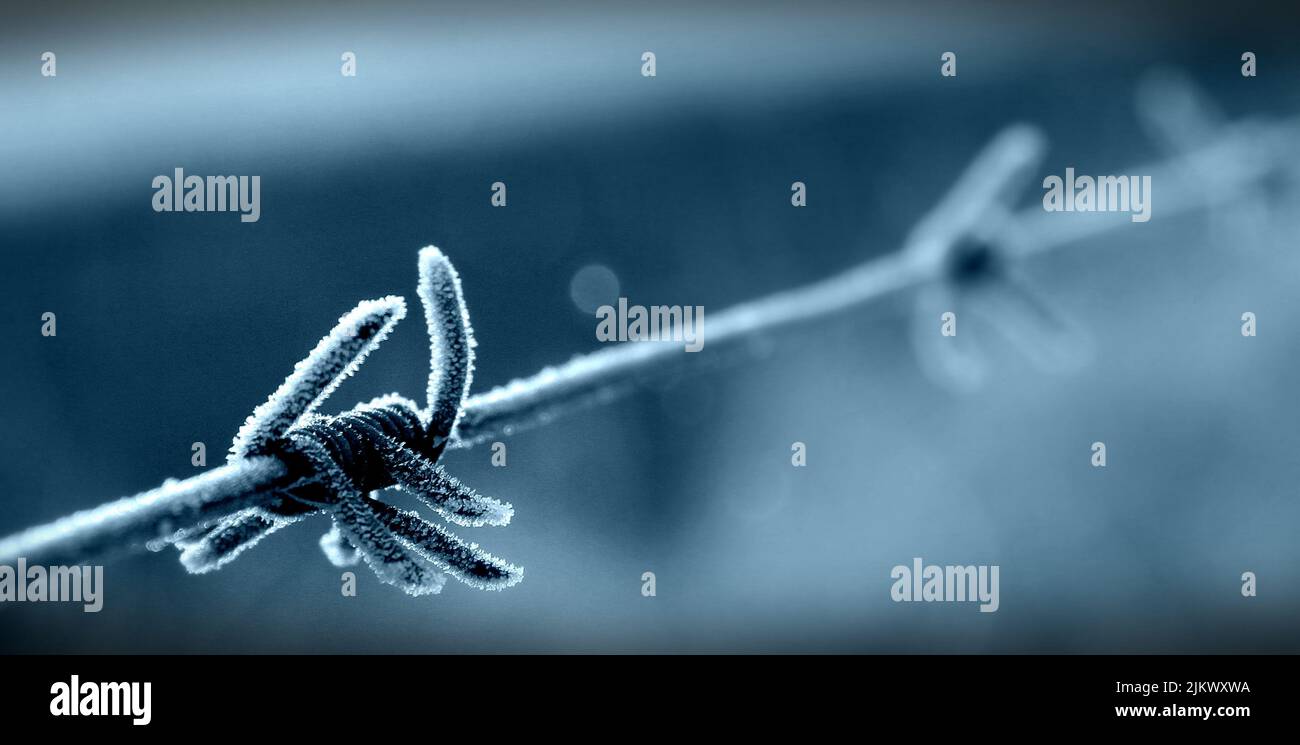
{"x":976,"y":214}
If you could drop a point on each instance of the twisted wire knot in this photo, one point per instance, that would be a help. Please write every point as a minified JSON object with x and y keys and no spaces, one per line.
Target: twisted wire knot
{"x":355,"y":440}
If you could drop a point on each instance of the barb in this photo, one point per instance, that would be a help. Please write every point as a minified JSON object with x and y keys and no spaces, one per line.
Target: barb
{"x":236,"y":505}
{"x":988,"y":182}
{"x":288,"y":462}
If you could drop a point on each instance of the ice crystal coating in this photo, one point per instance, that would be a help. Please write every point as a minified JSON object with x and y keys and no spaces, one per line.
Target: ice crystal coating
{"x":153,"y":518}
{"x":451,"y":340}
{"x":443,"y":493}
{"x":227,"y":540}
{"x":334,"y":359}
{"x":464,"y":561}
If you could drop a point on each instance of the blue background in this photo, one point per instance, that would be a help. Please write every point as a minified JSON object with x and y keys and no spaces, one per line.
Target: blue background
{"x":172,"y":327}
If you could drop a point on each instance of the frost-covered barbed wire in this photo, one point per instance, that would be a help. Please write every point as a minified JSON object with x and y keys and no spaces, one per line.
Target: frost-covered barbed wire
{"x":288,"y":462}
{"x":385,"y":442}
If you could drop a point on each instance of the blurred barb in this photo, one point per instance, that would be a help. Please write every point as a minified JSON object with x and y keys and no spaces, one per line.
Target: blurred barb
{"x":998,"y":309}
{"x":983,"y":189}
{"x":1176,"y":113}
{"x":967,"y":272}
{"x":982,"y":195}
{"x":1181,"y":117}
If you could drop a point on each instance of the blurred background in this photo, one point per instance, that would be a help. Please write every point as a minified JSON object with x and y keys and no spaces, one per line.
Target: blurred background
{"x":172,"y":327}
